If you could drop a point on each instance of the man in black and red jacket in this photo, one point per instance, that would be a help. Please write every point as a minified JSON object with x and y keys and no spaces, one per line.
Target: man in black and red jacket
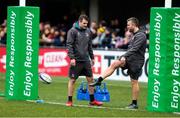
{"x":79,"y":44}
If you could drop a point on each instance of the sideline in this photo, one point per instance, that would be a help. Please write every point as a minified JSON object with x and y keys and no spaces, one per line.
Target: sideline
{"x":87,"y":106}
{"x":95,"y":107}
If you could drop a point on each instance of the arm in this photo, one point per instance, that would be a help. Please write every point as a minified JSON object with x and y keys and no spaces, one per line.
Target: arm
{"x":70,"y":44}
{"x":138,"y":42}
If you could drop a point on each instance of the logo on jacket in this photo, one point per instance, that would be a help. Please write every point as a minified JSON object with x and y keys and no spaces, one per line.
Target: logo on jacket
{"x":87,"y":34}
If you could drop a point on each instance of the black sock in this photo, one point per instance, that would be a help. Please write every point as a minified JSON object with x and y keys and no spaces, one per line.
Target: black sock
{"x":91,"y":97}
{"x":100,"y":79}
{"x":70,"y":98}
{"x":134,"y":102}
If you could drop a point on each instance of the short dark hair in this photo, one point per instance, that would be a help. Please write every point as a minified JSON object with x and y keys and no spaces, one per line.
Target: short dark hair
{"x":83,"y":16}
{"x":134,"y":20}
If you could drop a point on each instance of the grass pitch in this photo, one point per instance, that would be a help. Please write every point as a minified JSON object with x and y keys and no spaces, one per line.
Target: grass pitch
{"x":55,"y":97}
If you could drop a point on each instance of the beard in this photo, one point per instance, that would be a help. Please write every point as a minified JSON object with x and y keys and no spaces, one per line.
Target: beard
{"x":84,"y":27}
{"x":131,"y":30}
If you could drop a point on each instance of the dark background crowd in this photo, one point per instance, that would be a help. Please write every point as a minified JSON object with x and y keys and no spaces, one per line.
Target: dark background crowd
{"x":105,"y":35}
{"x":107,"y":20}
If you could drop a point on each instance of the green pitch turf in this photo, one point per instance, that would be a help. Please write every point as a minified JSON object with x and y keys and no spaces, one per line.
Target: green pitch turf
{"x":55,"y":96}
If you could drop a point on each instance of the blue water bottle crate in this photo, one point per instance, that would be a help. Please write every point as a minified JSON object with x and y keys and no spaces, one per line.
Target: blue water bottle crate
{"x":101,"y":93}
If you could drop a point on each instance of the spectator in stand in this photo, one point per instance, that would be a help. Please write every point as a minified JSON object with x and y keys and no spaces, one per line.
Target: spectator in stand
{"x":3,"y":35}
{"x":93,"y":28}
{"x":127,"y":38}
{"x":41,"y":31}
{"x":48,"y":35}
{"x":3,"y":32}
{"x":63,"y":37}
{"x":47,"y":25}
{"x":52,"y":34}
{"x":45,"y":37}
{"x":123,"y":44}
{"x":101,"y":31}
{"x":57,"y":39}
{"x":116,"y":39}
{"x":97,"y":41}
{"x":4,"y":24}
{"x":106,"y":41}
{"x":60,"y":38}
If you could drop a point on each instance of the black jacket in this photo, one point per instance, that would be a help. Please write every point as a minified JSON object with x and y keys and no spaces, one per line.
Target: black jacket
{"x":136,"y":49}
{"x":79,"y":43}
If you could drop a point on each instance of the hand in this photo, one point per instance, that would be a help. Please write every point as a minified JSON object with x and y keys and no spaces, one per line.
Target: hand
{"x":123,"y":60}
{"x":72,"y":62}
{"x":92,"y":62}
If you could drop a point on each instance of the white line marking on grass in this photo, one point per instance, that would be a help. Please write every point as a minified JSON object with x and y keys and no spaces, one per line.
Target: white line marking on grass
{"x":96,"y":107}
{"x":177,"y":113}
{"x":88,"y":106}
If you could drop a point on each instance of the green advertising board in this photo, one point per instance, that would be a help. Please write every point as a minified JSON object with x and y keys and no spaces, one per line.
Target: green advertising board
{"x":164,"y":60}
{"x":22,"y":53}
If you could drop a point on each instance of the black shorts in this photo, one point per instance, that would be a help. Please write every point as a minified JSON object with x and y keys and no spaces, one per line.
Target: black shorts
{"x":80,"y":69}
{"x":134,"y":70}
